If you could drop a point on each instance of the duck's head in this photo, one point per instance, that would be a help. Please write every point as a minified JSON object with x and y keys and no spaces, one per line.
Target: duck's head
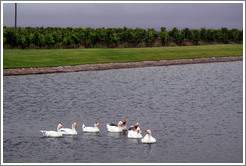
{"x":137,"y":124}
{"x":120,"y":123}
{"x":148,"y":132}
{"x":59,"y":126}
{"x":124,"y":121}
{"x":97,"y":125}
{"x":75,"y":124}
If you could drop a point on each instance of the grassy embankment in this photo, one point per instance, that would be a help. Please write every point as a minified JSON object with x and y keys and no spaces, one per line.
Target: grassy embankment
{"x":65,"y":57}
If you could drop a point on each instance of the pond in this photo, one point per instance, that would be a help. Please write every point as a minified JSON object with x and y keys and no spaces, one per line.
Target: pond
{"x":194,"y":111}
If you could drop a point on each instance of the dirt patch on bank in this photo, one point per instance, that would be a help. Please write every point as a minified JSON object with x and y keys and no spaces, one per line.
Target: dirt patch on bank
{"x":106,"y":66}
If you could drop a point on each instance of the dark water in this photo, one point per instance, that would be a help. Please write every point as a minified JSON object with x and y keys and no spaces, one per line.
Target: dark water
{"x":194,"y":111}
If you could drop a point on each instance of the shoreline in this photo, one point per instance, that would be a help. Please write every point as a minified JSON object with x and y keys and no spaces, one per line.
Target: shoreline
{"x":107,"y":66}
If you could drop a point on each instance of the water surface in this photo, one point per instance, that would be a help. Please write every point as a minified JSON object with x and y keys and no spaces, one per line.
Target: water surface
{"x":194,"y":111}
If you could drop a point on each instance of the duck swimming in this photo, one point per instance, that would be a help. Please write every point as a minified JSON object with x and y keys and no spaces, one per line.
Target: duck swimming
{"x":135,"y":133}
{"x":57,"y":133}
{"x":115,"y":127}
{"x":148,"y":138}
{"x":68,"y":131}
{"x":91,"y":129}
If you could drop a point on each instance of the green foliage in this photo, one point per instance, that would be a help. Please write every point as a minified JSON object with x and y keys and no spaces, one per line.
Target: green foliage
{"x":55,"y":37}
{"x":164,"y":36}
{"x":150,"y":36}
{"x":11,"y":37}
{"x":68,"y":41}
{"x":187,"y":34}
{"x":180,"y":38}
{"x":210,"y":36}
{"x":195,"y":36}
{"x":4,"y":36}
{"x":38,"y":39}
{"x":203,"y":33}
{"x":49,"y":41}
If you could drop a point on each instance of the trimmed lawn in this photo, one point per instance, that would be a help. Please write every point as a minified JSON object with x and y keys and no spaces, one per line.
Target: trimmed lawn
{"x":64,"y":57}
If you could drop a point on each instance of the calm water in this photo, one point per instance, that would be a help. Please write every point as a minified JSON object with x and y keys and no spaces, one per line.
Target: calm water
{"x":194,"y":111}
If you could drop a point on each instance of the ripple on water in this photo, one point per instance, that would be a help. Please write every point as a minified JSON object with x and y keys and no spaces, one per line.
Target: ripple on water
{"x":194,"y":111}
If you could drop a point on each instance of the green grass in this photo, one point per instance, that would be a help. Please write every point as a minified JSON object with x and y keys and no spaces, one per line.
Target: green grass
{"x":63,"y":57}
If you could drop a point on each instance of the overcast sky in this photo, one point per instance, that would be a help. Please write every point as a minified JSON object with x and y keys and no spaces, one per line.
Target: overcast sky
{"x":180,"y":15}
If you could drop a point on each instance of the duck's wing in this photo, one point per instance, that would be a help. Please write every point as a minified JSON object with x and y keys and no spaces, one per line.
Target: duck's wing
{"x":112,"y":124}
{"x":132,"y":128}
{"x":66,"y":129}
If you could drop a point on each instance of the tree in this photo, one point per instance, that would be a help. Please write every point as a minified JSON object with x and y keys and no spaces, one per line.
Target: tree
{"x":173,"y":34}
{"x":4,"y":35}
{"x":180,"y":38}
{"x":138,"y":36}
{"x":41,"y":40}
{"x":129,"y":35}
{"x":164,"y":36}
{"x":114,"y":38}
{"x":224,"y":30}
{"x":109,"y":32}
{"x":101,"y":33}
{"x":210,"y":35}
{"x":187,"y":34}
{"x":50,"y":37}
{"x":195,"y":36}
{"x":22,"y":41}
{"x":203,"y":33}
{"x":239,"y":36}
{"x":88,"y":37}
{"x":49,"y":41}
{"x":11,"y":37}
{"x":36,"y":38}
{"x":81,"y":36}
{"x":219,"y":36}
{"x":150,"y":36}
{"x":68,"y":41}
{"x":225,"y":38}
{"x":57,"y":37}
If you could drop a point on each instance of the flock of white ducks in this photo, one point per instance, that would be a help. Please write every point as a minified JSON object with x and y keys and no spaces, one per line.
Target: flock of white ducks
{"x":133,"y":131}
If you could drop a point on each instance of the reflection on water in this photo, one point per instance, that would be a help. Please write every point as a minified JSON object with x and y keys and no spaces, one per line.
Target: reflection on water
{"x":194,"y":112}
{"x":149,"y":148}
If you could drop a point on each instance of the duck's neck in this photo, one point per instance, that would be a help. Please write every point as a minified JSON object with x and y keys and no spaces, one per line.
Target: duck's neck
{"x":58,"y":129}
{"x":73,"y":128}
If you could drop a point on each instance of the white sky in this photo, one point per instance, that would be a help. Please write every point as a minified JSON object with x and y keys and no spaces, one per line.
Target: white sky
{"x":180,"y":15}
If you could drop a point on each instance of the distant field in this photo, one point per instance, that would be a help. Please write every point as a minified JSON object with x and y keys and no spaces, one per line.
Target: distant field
{"x":64,"y":57}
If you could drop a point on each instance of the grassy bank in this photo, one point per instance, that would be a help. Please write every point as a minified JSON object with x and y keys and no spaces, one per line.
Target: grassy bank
{"x":65,"y":57}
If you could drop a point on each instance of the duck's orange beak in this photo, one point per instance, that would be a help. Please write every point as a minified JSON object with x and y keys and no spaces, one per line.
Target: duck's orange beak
{"x":121,"y":124}
{"x":138,"y":124}
{"x":98,"y":125}
{"x":76,"y":125}
{"x":147,"y":132}
{"x":138,"y":131}
{"x":61,"y":127}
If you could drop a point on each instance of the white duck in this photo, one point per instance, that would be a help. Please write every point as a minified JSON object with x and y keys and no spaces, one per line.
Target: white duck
{"x":68,"y":131}
{"x":134,"y":133}
{"x":148,"y":138}
{"x":91,"y":129}
{"x":114,"y":127}
{"x":57,"y":133}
